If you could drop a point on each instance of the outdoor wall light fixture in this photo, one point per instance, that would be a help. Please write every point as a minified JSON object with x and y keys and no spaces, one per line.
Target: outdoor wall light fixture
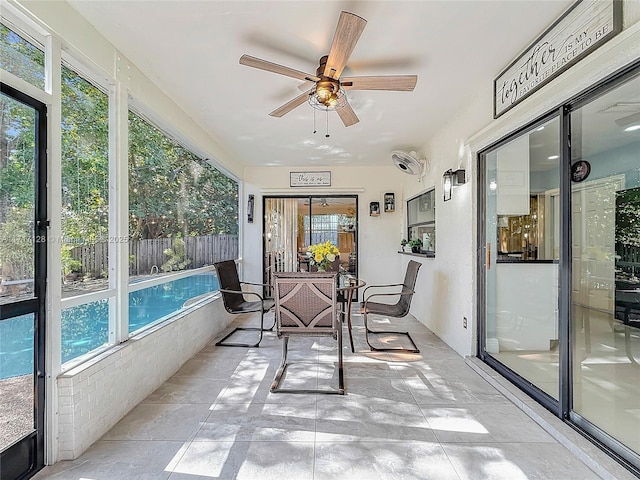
{"x":450,"y":179}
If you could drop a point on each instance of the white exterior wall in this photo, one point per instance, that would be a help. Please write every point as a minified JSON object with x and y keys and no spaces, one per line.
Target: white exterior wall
{"x":94,"y":396}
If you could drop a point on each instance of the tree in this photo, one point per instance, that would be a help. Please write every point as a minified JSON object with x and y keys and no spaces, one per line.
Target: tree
{"x":16,"y":244}
{"x":173,"y":192}
{"x":628,"y":217}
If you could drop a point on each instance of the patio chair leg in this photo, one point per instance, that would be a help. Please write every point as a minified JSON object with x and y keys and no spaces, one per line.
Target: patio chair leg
{"x":222,"y":342}
{"x":280,"y":373}
{"x":368,"y":331}
{"x":340,"y":365}
{"x":283,"y":366}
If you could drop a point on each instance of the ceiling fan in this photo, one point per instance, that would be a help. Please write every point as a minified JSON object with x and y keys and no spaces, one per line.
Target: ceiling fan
{"x":328,"y":90}
{"x":323,"y":202}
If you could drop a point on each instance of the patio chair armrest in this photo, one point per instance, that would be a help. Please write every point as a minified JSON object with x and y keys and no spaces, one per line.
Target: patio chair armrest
{"x":257,"y":284}
{"x":406,"y":292}
{"x":242,"y":292}
{"x":381,"y":286}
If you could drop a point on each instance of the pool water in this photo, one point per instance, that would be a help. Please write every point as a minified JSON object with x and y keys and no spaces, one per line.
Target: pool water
{"x":85,"y":327}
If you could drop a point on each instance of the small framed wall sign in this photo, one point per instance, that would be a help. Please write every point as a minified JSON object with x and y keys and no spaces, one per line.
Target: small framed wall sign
{"x":309,"y":179}
{"x":374,"y":209}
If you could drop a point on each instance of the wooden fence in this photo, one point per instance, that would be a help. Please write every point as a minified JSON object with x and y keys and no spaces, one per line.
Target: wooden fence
{"x":148,"y":255}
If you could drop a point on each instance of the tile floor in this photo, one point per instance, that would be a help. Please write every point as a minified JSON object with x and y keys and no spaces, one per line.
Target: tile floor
{"x":405,"y":416}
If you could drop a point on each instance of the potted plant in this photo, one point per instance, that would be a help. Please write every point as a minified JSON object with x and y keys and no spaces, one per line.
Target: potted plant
{"x":403,"y":243}
{"x":415,"y":245}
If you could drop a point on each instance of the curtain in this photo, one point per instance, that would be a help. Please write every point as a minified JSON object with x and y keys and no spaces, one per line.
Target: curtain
{"x":282,"y":234}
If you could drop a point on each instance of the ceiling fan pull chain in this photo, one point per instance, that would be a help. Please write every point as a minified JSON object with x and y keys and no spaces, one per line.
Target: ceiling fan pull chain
{"x":314,"y":120}
{"x":327,"y":135}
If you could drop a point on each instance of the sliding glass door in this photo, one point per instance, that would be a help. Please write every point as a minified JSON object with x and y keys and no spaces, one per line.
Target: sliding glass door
{"x":291,"y":224}
{"x":605,"y":297}
{"x":559,"y":263}
{"x":521,"y":242}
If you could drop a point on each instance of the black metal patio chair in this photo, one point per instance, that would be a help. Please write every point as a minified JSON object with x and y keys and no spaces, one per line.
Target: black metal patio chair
{"x":235,"y":302}
{"x":397,"y":310}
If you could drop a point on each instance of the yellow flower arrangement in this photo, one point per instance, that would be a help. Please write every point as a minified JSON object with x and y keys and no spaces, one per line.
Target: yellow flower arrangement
{"x":322,"y":255}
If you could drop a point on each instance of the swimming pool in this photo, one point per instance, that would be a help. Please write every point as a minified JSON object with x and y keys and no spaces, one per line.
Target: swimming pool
{"x":85,"y":327}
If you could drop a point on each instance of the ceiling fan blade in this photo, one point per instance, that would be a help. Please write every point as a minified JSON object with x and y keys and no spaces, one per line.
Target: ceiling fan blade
{"x":404,"y":83}
{"x":348,"y":32}
{"x":290,"y":105}
{"x":347,"y":115}
{"x":633,"y":118}
{"x":254,"y":62}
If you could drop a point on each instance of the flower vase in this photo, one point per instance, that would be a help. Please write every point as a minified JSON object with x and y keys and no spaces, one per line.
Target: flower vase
{"x":321,"y":269}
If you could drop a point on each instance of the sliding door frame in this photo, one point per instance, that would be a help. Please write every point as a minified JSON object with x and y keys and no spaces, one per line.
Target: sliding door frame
{"x":309,"y":197}
{"x":562,"y":408}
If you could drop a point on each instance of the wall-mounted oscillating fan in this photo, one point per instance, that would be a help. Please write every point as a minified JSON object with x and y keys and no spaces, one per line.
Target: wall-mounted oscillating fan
{"x":409,"y":162}
{"x":328,"y":90}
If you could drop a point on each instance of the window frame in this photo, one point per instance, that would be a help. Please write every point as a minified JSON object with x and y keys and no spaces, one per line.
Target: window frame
{"x":428,"y":223}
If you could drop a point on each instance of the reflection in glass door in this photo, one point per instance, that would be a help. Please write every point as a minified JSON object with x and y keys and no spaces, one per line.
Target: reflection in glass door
{"x":22,"y":281}
{"x":521,"y":184}
{"x":605,"y":297}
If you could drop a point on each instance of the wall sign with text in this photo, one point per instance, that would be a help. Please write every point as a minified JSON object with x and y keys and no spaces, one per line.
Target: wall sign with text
{"x":587,"y":25}
{"x":309,"y":179}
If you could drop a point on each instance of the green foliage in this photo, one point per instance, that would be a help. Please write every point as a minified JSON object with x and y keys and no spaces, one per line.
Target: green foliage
{"x":85,"y":159}
{"x":21,"y":58}
{"x":172,"y":192}
{"x":17,"y":138}
{"x":628,"y":217}
{"x":177,"y":257}
{"x":16,"y":244}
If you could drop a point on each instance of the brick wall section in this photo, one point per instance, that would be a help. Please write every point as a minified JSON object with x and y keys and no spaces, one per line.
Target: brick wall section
{"x":94,"y":396}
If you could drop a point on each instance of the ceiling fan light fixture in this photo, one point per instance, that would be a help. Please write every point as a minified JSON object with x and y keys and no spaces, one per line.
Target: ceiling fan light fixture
{"x":327,"y":95}
{"x":324,"y":90}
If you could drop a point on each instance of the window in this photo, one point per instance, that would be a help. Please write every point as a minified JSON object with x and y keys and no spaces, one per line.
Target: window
{"x":84,"y":215}
{"x":183,"y":215}
{"x":421,"y":220}
{"x":85,"y":185}
{"x":322,"y":228}
{"x":20,"y":57}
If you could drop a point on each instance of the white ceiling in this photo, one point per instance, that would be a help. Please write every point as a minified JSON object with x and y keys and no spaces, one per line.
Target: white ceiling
{"x":191,"y":50}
